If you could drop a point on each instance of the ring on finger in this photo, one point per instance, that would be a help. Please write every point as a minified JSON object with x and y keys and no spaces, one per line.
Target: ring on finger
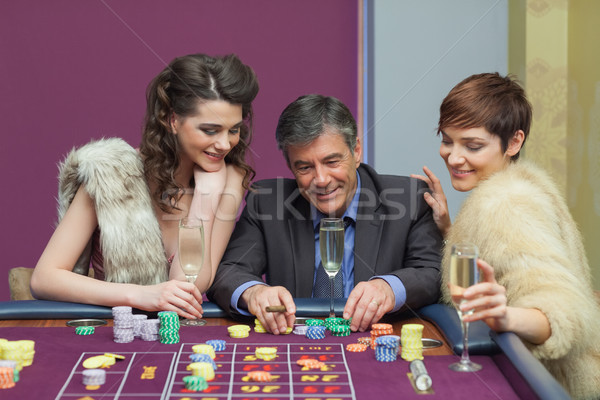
{"x":375,"y":302}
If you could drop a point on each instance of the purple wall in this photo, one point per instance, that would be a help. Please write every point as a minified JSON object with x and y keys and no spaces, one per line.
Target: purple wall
{"x":71,"y":71}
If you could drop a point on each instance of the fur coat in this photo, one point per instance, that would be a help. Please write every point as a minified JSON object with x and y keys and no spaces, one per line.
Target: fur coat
{"x":130,"y":237}
{"x":523,"y":229}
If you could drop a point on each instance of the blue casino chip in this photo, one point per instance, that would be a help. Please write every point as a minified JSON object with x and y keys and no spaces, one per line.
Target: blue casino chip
{"x":218,"y":345}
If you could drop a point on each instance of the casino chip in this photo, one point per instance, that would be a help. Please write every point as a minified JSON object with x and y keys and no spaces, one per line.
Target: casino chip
{"x":198,"y":357}
{"x":258,"y":327}
{"x":386,"y":348}
{"x":138,"y":321}
{"x":380,"y":330}
{"x":365,"y":340}
{"x":356,"y":347}
{"x":94,"y":377}
{"x":315,"y":332}
{"x":84,"y":330}
{"x":19,"y":351}
{"x":217,"y":344}
{"x":412,"y":345}
{"x":122,"y":324}
{"x":169,"y":327}
{"x":310,"y":363}
{"x":238,"y":331}
{"x":300,"y":330}
{"x":259,"y":376}
{"x":204,"y":349}
{"x":266,"y":353}
{"x":340,"y":330}
{"x":149,"y":330}
{"x":102,"y":361}
{"x":115,"y":356}
{"x":7,"y":378}
{"x":202,"y":369}
{"x":195,"y":383}
{"x":12,"y":365}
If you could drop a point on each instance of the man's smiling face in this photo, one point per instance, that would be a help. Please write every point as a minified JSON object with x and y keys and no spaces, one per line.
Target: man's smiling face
{"x":325,"y":171}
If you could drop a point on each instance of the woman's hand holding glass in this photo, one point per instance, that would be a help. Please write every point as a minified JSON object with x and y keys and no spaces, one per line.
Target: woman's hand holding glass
{"x":487,"y":299}
{"x":191,"y":254}
{"x":174,"y":295}
{"x":463,"y":274}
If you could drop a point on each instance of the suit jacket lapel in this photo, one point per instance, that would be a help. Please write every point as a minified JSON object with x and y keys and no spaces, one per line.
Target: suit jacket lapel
{"x":369,"y":228}
{"x":302,"y":235}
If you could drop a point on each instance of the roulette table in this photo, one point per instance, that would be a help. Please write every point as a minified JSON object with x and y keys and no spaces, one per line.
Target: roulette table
{"x":153,"y":370}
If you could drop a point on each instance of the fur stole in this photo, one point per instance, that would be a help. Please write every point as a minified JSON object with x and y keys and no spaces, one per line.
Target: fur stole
{"x":523,"y":228}
{"x":130,"y":237}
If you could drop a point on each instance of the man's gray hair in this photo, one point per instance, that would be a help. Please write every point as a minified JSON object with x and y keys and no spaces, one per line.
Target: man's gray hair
{"x":309,"y":117}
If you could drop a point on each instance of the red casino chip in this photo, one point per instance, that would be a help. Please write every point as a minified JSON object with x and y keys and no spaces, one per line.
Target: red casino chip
{"x":259,"y":376}
{"x":356,"y":347}
{"x":303,"y":361}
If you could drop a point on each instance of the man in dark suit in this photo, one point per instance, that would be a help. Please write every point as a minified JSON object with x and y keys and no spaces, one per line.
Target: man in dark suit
{"x":392,"y":245}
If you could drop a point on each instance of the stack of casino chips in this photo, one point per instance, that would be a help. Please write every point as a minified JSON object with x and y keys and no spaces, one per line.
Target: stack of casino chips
{"x":380,"y":330}
{"x":258,"y":328}
{"x":300,"y":330}
{"x":195,"y":383}
{"x":412,"y":345}
{"x":94,"y":377}
{"x":205,"y":358}
{"x":340,"y":330}
{"x":6,"y":378}
{"x":27,"y":351}
{"x":123,"y":324}
{"x":335,"y":321}
{"x":205,"y":370}
{"x":238,"y":331}
{"x":217,"y":344}
{"x":12,"y":365}
{"x":204,"y":349}
{"x":365,"y":340}
{"x":168,"y":332}
{"x":314,"y":322}
{"x":149,"y":330}
{"x":266,"y":353}
{"x":138,"y":320}
{"x":315,"y":332}
{"x":19,"y":351}
{"x":386,"y":348}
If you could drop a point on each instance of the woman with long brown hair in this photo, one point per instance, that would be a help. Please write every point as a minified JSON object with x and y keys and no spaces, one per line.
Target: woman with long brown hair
{"x":119,"y":208}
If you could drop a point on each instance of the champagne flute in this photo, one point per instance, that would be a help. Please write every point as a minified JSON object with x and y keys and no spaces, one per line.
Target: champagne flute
{"x":191,"y":255}
{"x":331,"y":244}
{"x":463,"y":273}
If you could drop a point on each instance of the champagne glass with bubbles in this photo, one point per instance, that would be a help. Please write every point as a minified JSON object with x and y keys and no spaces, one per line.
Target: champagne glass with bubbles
{"x":331,"y":244}
{"x":191,"y":254}
{"x":463,"y":273}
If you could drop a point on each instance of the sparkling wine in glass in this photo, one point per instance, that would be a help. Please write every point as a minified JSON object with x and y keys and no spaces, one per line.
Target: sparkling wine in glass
{"x":463,"y":273}
{"x":191,"y":255}
{"x":331,"y":244}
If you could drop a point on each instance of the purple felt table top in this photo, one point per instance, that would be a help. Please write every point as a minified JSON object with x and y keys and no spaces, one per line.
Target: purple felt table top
{"x":152,"y":370}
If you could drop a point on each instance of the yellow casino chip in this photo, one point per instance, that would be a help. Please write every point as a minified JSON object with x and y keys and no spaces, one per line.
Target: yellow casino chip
{"x":117,"y":356}
{"x":108,"y":361}
{"x":95,"y":362}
